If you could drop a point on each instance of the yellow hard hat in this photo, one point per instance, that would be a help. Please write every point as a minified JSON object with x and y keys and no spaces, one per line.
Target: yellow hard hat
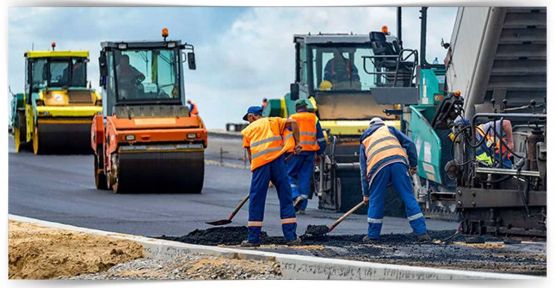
{"x":325,"y":85}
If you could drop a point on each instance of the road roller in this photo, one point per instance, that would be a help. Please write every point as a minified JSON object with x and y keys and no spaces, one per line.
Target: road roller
{"x":55,"y":112}
{"x":146,"y":140}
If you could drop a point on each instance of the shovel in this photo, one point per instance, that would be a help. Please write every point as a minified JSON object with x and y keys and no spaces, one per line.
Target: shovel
{"x":321,"y":230}
{"x":233,"y":213}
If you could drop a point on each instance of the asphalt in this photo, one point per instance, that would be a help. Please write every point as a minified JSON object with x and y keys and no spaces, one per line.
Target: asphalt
{"x":60,"y":188}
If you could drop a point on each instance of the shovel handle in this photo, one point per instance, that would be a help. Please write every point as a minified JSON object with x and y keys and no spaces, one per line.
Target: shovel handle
{"x":346,"y":215}
{"x":234,"y":212}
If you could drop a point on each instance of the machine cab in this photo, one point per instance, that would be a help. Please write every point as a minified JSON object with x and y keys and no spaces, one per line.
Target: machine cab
{"x":144,"y":76}
{"x":343,"y":72}
{"x":55,"y":74}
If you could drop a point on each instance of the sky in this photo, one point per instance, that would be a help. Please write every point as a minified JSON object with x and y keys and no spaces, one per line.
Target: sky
{"x":243,"y":54}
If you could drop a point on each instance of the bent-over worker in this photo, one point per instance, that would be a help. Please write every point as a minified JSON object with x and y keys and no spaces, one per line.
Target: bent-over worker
{"x":385,"y":157}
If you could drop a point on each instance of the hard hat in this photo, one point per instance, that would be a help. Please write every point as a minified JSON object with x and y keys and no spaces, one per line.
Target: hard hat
{"x":376,"y":121}
{"x":256,"y":110}
{"x":325,"y":85}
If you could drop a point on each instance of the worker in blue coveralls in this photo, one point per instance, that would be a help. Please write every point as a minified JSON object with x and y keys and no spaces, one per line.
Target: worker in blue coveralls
{"x":387,"y":156}
{"x":266,"y":140}
{"x":301,"y":166}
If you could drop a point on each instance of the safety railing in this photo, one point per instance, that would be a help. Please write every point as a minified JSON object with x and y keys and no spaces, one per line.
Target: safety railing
{"x":384,"y":74}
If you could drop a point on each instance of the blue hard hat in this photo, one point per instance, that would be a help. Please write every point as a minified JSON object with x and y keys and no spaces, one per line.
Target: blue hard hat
{"x":256,"y":110}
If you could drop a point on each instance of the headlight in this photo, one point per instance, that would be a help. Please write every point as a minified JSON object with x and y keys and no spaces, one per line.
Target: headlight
{"x":98,"y":102}
{"x":191,"y":135}
{"x":130,"y":137}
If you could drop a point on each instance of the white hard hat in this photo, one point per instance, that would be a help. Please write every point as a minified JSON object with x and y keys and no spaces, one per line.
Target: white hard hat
{"x":375,"y":121}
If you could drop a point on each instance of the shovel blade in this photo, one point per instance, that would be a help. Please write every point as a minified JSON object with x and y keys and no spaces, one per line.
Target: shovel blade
{"x":219,"y":222}
{"x":317,"y":230}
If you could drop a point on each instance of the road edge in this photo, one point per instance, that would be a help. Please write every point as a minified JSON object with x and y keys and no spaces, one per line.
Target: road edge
{"x":294,"y":267}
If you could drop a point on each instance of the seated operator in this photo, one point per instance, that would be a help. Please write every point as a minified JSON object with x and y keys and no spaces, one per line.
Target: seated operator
{"x":129,"y":79}
{"x":341,"y":72}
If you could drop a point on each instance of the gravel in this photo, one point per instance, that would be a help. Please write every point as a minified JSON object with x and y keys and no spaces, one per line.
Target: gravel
{"x":188,"y":267}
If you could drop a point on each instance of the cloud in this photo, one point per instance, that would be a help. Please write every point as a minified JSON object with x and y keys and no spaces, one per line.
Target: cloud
{"x":243,"y":54}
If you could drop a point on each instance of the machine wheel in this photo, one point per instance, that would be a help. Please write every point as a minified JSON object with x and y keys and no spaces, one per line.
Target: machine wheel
{"x":36,"y":141}
{"x":99,"y":176}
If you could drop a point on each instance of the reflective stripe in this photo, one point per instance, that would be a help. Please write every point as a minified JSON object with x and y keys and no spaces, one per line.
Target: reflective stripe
{"x":307,"y":133}
{"x":415,"y":216}
{"x":321,"y":139}
{"x":374,"y":220}
{"x":269,"y":150}
{"x":307,"y":143}
{"x":289,"y":220}
{"x":271,"y":139}
{"x":254,"y":224}
{"x":379,"y":141}
{"x":369,"y":160}
{"x":288,"y":136}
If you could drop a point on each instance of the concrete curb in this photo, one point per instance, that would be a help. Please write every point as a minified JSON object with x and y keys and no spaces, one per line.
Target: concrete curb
{"x":293,"y":266}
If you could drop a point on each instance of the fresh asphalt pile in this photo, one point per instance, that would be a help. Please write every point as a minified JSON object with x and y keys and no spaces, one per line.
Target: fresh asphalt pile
{"x":447,"y":250}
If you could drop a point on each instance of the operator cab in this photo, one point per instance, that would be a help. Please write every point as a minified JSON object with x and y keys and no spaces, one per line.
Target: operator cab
{"x":141,"y":78}
{"x":343,"y":71}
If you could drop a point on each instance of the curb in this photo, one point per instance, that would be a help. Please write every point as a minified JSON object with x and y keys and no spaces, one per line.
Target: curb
{"x":295,"y":267}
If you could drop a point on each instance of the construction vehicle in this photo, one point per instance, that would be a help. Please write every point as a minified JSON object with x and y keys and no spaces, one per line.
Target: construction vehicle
{"x":55,"y":112}
{"x":145,"y":139}
{"x":345,"y":107}
{"x":499,"y":73}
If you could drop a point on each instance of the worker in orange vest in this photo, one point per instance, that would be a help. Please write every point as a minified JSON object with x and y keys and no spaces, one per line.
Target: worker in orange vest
{"x":193,"y":108}
{"x":301,"y":166}
{"x":266,"y":140}
{"x":387,"y":156}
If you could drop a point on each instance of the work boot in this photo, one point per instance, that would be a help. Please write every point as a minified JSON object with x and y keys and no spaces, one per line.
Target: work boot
{"x":294,"y":242}
{"x":297,"y":203}
{"x":423,"y":238}
{"x":246,"y":243}
{"x":368,"y":240}
{"x":300,"y":212}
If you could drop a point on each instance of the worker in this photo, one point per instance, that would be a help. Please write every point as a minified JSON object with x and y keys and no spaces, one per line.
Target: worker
{"x":494,"y":143}
{"x":301,"y":166}
{"x":385,"y":157}
{"x":341,"y":72}
{"x":264,"y":103}
{"x":129,"y":79}
{"x":266,"y":140}
{"x":193,"y":108}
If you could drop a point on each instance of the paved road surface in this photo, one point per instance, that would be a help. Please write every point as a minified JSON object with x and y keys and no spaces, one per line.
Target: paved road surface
{"x":61,"y":189}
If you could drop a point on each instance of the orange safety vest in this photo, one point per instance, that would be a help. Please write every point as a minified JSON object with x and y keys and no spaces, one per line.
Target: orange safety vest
{"x":194,"y":111}
{"x":307,"y":130}
{"x":490,"y":140}
{"x":380,"y":145}
{"x":268,"y":140}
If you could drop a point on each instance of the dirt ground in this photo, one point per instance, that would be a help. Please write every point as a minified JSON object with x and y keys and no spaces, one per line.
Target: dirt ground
{"x":37,"y":252}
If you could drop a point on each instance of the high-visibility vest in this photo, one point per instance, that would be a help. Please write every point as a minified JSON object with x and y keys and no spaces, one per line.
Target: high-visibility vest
{"x":380,"y":145}
{"x":194,"y":110}
{"x":306,"y":122}
{"x":267,"y":140}
{"x":491,"y":141}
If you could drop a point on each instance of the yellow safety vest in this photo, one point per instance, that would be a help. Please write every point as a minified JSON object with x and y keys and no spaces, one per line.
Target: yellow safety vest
{"x":307,"y":130}
{"x":380,"y":145}
{"x":267,"y":139}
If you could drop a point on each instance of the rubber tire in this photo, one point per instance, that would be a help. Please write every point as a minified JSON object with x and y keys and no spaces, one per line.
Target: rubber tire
{"x":99,"y":177}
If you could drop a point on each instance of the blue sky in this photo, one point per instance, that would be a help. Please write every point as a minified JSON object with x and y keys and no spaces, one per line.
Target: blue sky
{"x":243,"y":54}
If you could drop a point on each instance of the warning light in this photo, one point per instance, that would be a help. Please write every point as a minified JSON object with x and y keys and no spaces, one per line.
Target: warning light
{"x":165,"y":32}
{"x":53,"y":45}
{"x":385,"y":29}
